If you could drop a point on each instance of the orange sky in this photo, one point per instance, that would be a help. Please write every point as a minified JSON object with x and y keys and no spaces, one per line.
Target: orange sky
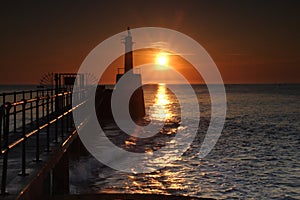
{"x":250,"y":41}
{"x":146,"y":56}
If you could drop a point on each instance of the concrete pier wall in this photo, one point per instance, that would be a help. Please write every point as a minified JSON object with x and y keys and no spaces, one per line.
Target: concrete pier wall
{"x":52,"y":177}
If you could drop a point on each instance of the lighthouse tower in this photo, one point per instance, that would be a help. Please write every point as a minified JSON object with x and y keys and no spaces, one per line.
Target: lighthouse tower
{"x":128,"y":62}
{"x":136,"y":104}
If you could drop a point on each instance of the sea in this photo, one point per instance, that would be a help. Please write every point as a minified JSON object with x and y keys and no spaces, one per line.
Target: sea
{"x":257,"y":155}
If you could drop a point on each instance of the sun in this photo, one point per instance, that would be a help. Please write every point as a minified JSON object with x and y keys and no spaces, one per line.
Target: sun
{"x":162,"y":59}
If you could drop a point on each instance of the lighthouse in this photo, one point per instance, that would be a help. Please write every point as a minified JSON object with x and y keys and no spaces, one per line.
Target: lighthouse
{"x":136,"y":103}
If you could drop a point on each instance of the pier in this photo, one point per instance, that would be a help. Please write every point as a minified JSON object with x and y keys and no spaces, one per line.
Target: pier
{"x":34,"y":153}
{"x":38,"y":136}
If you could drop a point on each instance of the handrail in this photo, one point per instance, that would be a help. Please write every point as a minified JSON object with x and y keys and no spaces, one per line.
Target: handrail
{"x":26,"y":91}
{"x":18,"y":95}
{"x":45,"y":116}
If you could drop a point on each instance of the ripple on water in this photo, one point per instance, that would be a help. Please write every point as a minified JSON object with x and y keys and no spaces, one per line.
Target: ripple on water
{"x":256,"y":157}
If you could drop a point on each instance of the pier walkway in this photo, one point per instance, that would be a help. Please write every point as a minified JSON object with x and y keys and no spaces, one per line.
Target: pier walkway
{"x":36,"y":136}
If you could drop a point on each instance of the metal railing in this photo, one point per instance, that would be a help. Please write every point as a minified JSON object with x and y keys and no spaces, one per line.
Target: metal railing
{"x":29,"y":94}
{"x":48,"y":108}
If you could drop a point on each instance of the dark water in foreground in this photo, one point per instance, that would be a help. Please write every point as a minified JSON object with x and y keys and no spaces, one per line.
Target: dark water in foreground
{"x":257,"y":155}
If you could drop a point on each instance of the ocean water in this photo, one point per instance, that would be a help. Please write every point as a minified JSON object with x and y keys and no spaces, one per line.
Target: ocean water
{"x":256,"y":157}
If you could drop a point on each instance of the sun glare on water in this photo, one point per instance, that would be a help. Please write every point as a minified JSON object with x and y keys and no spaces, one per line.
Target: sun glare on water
{"x":159,"y":110}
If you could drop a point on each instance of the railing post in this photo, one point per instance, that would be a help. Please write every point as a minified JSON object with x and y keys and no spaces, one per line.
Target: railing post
{"x":43,"y":104}
{"x":37,"y":145}
{"x":31,"y":113}
{"x":48,"y":125}
{"x":7,"y":108}
{"x":47,"y":97}
{"x":51,"y":101}
{"x":71,"y":106}
{"x":15,"y":113}
{"x":1,"y":123}
{"x":3,"y":100}
{"x":23,"y":171}
{"x":56,"y":116}
{"x":62,"y":117}
{"x":67,"y":110}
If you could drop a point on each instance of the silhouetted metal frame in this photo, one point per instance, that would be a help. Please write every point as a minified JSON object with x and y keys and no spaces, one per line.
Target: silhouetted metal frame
{"x":48,"y":101}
